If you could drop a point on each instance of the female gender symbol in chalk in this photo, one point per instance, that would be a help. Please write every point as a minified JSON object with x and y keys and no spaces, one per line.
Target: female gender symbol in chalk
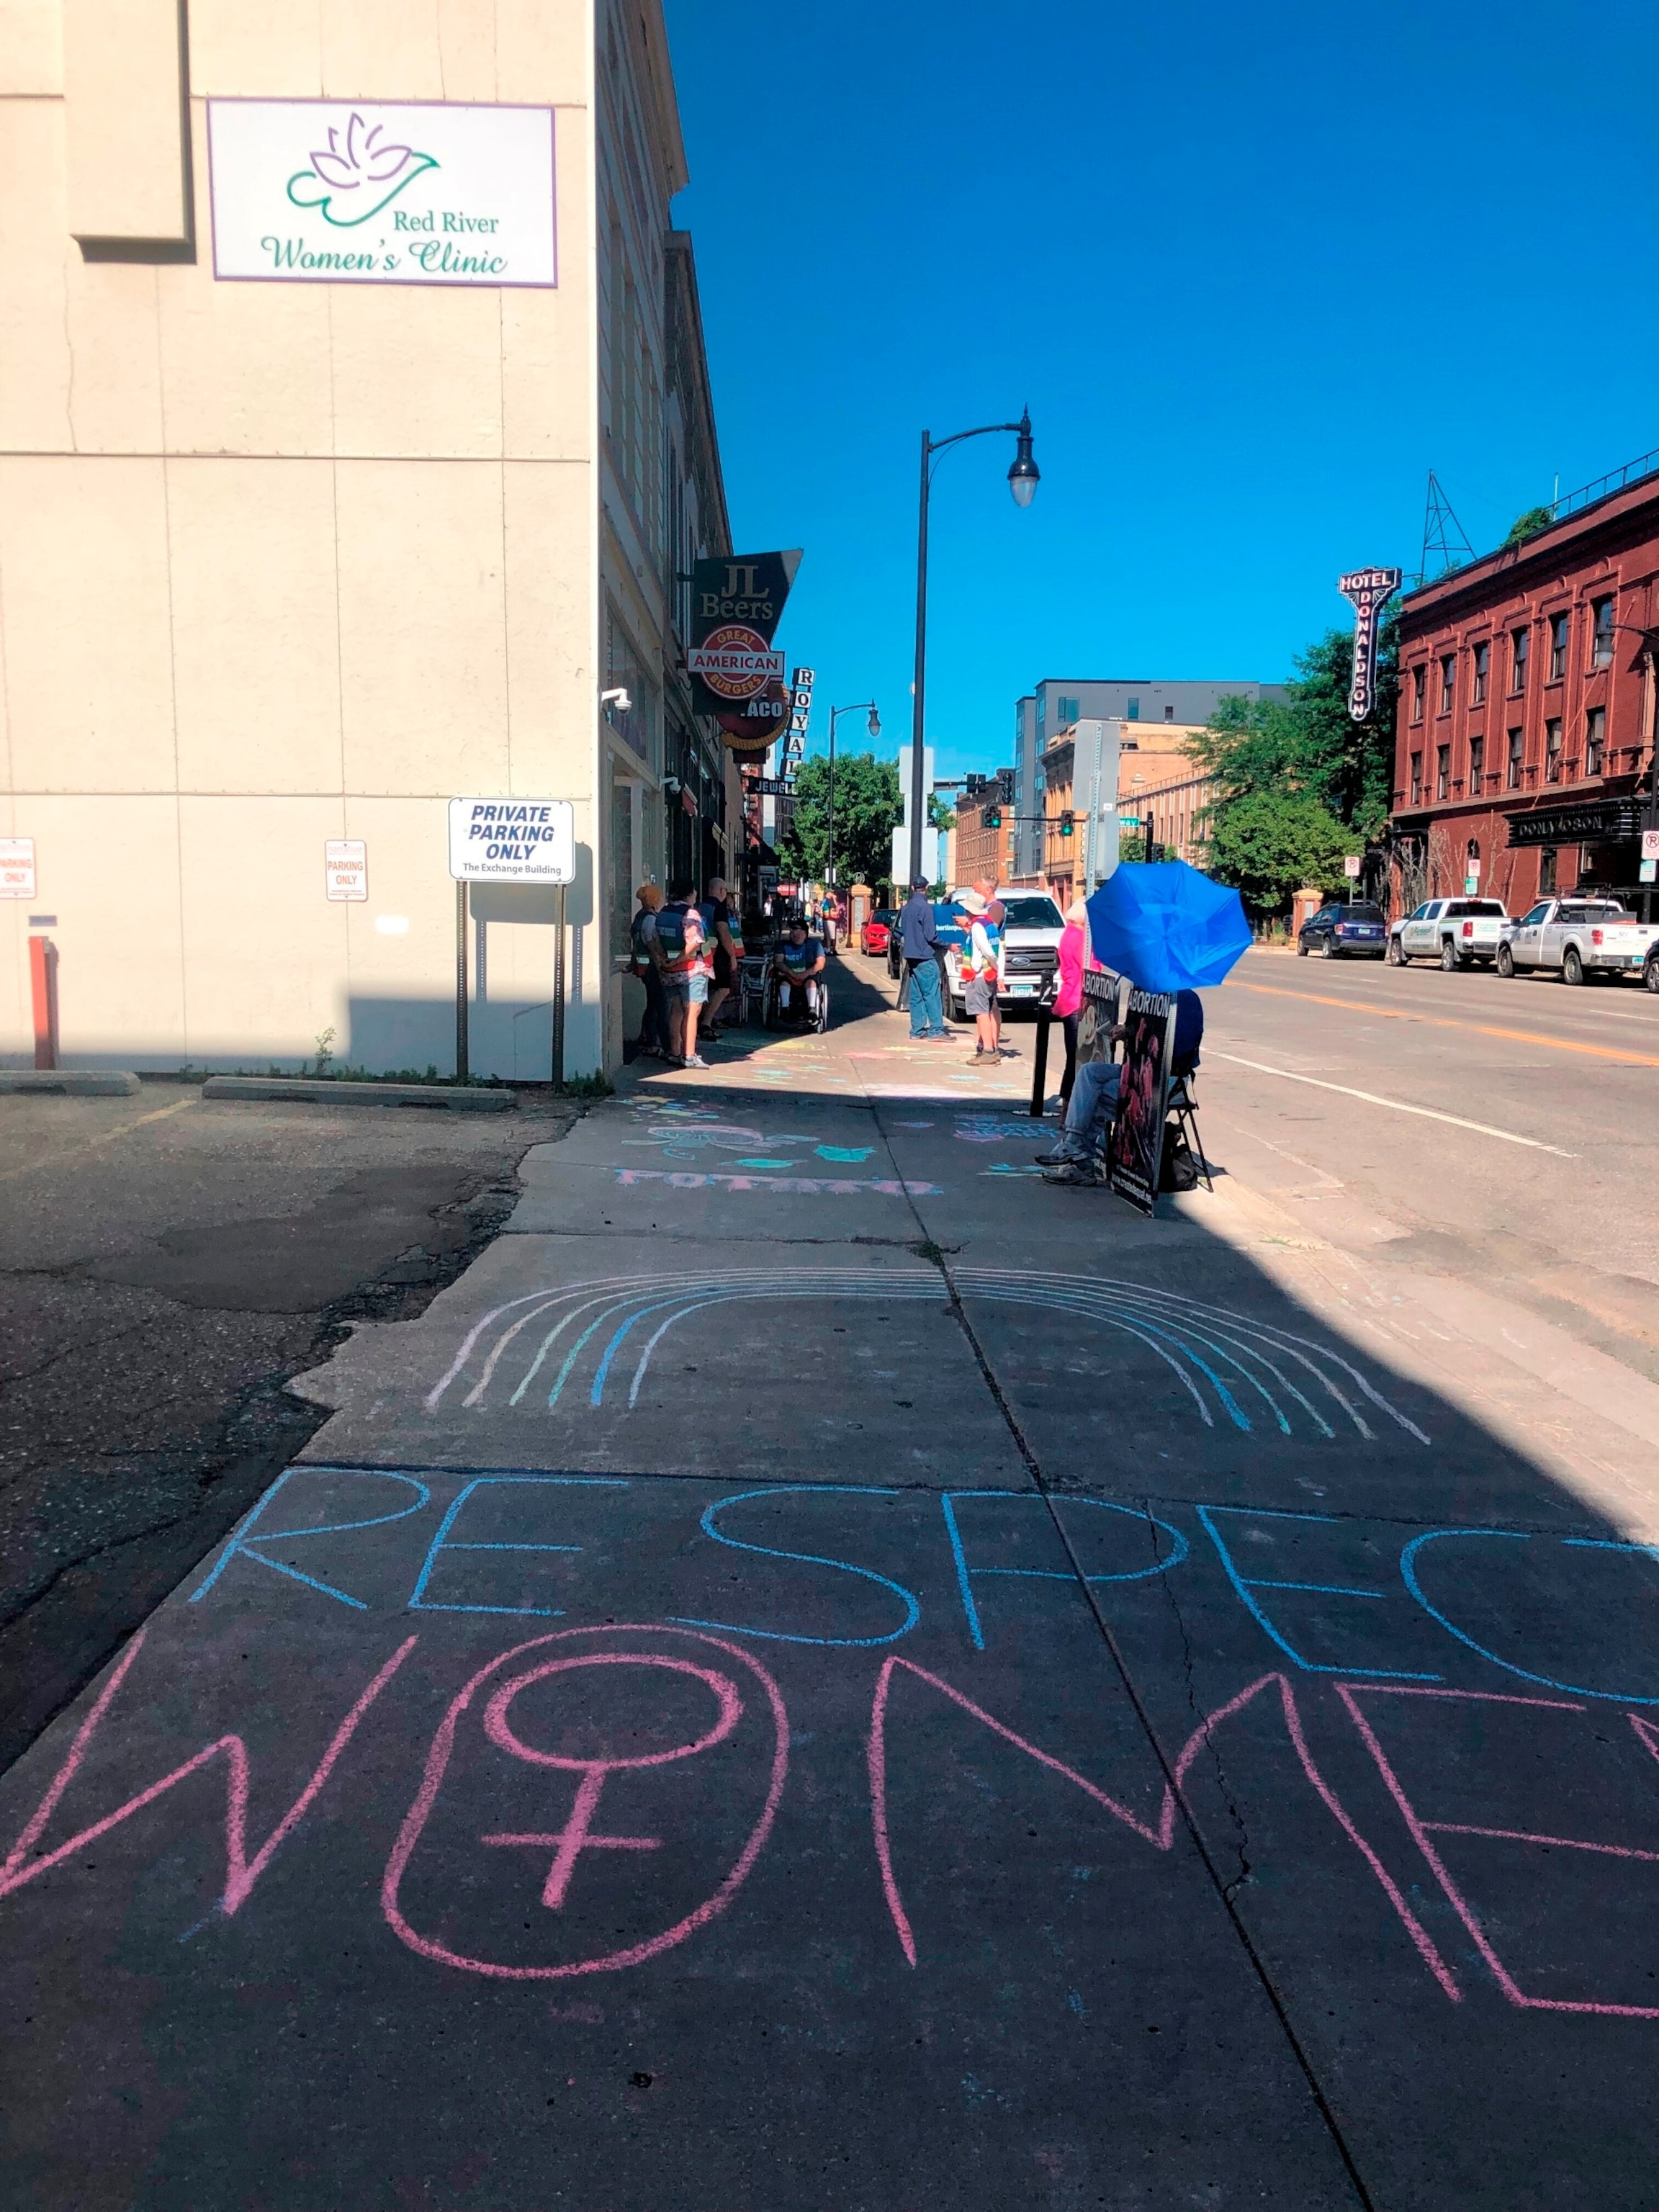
{"x":577,"y":1836}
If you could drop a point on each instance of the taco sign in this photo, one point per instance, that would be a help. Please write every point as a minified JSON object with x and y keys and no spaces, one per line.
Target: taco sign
{"x":352,"y":192}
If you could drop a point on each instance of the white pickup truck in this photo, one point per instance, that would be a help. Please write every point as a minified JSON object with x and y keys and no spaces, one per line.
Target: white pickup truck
{"x":1580,"y":936}
{"x":1455,"y":932}
{"x":1031,"y":929}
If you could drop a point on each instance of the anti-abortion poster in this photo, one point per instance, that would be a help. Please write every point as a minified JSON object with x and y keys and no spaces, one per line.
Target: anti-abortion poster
{"x":1097,"y":1015}
{"x":1135,"y":1145}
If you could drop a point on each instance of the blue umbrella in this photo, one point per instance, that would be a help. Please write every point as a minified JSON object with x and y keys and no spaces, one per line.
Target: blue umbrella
{"x":1166,"y":926}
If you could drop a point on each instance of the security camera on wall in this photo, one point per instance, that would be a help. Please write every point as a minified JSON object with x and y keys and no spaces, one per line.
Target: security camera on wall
{"x":618,"y":699}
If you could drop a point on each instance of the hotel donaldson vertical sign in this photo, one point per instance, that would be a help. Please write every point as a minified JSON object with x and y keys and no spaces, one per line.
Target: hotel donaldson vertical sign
{"x":353,"y":192}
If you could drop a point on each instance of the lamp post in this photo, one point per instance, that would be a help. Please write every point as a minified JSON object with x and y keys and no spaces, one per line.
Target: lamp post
{"x":874,"y":726}
{"x":1023,"y":477}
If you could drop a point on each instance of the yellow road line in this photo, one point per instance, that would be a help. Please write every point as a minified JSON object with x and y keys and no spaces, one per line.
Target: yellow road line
{"x":107,"y":1137}
{"x":1444,"y":1022}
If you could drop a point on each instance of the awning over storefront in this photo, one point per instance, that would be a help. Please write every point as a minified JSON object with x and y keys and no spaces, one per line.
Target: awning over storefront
{"x":1596,"y":822}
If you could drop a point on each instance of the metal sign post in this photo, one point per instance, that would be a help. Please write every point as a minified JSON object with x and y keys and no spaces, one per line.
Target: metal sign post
{"x":462,"y":1072}
{"x":511,"y":841}
{"x":558,"y":994}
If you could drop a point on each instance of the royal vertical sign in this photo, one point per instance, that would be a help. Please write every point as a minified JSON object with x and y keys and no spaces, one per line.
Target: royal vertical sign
{"x":1369,"y":591}
{"x":737,"y":674}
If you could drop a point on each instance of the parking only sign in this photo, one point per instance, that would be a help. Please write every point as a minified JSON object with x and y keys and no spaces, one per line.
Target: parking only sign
{"x":513,"y":840}
{"x":17,"y":867}
{"x":345,"y":867}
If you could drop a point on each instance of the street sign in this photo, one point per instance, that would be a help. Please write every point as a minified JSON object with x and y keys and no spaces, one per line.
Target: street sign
{"x":512,"y":840}
{"x":1651,"y":844}
{"x":345,"y":868}
{"x":17,"y":867}
{"x":1351,"y":866}
{"x":1649,"y":872}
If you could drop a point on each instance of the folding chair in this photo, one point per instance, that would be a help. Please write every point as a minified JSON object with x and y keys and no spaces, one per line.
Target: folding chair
{"x":1182,"y":1109}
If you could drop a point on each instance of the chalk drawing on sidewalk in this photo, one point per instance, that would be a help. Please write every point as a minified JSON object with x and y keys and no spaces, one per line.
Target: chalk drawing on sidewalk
{"x":794,"y":1186}
{"x":1248,"y":1371}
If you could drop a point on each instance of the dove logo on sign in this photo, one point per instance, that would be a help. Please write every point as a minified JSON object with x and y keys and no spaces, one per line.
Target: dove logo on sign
{"x":357,"y":174}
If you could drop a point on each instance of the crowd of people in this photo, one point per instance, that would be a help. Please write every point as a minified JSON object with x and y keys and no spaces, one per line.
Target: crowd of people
{"x":686,"y":952}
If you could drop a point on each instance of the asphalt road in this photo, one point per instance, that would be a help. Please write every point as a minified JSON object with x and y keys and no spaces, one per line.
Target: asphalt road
{"x":820,"y":1671}
{"x":1547,"y":1198}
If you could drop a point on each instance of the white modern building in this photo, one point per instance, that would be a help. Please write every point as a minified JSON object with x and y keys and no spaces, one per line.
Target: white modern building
{"x":354,"y":430}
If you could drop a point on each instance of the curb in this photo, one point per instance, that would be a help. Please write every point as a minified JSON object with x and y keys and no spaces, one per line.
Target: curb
{"x":77,"y":1082}
{"x":264,"y":1090}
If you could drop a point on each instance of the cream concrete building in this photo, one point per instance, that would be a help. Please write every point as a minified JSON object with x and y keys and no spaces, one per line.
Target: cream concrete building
{"x":298,"y":559}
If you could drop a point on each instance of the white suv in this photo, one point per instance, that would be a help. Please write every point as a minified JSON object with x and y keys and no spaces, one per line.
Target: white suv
{"x":1032,"y":927}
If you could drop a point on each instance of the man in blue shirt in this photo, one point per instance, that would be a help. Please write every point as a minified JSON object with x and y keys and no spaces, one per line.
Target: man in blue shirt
{"x":919,"y":945}
{"x":797,"y":963}
{"x":1076,"y":1158}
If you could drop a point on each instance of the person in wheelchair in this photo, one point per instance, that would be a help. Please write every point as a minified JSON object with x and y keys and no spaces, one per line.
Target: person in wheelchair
{"x":797,"y":963}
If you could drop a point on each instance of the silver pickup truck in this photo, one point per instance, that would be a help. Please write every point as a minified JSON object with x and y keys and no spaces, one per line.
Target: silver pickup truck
{"x":1578,"y":937}
{"x":1455,"y":932}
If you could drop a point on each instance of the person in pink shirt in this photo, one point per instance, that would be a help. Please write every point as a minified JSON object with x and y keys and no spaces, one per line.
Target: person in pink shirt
{"x":1068,"y":998}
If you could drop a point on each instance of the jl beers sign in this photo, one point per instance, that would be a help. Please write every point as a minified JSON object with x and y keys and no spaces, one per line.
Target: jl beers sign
{"x":353,"y":192}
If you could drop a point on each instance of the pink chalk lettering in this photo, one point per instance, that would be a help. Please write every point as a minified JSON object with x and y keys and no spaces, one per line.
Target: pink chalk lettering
{"x":241,"y":1872}
{"x":568,"y":1843}
{"x":1160,"y":1835}
{"x":576,"y":1836}
{"x":1422,"y":1830}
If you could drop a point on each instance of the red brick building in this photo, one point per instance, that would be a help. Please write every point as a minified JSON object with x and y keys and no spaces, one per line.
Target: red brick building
{"x":1526,"y":727}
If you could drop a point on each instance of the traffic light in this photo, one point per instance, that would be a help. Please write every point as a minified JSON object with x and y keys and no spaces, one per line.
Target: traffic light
{"x":994,"y":818}
{"x":1066,"y":823}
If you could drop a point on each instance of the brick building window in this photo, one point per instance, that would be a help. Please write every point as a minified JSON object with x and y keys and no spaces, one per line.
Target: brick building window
{"x":1479,"y":658}
{"x":1557,"y":646}
{"x":1518,"y":639}
{"x":1595,"y":738}
{"x":1552,"y":750}
{"x":1448,"y":681}
{"x":1546,"y":870}
{"x":1442,"y":772}
{"x":1602,"y":612}
{"x":1416,"y":779}
{"x":1477,"y":766}
{"x":1517,"y":746}
{"x":1419,"y":684}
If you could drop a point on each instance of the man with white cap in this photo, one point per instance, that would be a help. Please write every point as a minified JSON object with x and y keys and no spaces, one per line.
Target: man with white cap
{"x":979,"y":976}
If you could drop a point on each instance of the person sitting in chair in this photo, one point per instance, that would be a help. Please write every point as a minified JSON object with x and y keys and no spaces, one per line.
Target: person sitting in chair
{"x":797,"y":963}
{"x":1076,"y":1158}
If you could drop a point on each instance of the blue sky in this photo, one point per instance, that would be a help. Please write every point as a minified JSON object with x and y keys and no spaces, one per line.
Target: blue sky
{"x":1255,"y":270}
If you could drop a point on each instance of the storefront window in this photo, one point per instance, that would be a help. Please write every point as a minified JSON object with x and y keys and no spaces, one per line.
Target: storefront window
{"x":1547,"y":869}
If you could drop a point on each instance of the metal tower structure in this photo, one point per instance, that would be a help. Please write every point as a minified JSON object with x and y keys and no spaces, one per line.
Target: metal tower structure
{"x":1443,"y":535}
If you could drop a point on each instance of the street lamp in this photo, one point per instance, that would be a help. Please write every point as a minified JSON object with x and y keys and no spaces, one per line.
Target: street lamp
{"x":874,"y":726}
{"x":1023,"y":478}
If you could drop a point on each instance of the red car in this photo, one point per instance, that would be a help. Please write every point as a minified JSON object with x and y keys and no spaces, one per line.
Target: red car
{"x":876,"y":932}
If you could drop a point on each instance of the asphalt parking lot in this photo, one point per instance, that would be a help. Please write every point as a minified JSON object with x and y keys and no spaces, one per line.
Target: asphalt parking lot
{"x":166,"y":1263}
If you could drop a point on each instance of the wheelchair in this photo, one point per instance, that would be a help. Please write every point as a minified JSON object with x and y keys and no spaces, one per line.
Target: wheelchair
{"x":774,"y":1015}
{"x":753,"y":971}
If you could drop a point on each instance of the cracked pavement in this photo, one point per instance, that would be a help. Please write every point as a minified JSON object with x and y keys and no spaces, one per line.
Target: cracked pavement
{"x":166,"y":1264}
{"x":818,"y":1669}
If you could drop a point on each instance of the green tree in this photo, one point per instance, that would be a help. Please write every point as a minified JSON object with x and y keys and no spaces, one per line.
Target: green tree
{"x":868,"y":808}
{"x":1316,"y":772}
{"x":1270,"y":842}
{"x":1529,"y":524}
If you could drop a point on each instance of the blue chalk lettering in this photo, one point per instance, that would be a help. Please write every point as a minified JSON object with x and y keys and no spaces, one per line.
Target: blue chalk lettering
{"x":1408,"y":1571}
{"x":1243,"y":1584}
{"x":239,"y":1540}
{"x":965,"y":1574}
{"x":912,"y":1609}
{"x":419,"y":1602}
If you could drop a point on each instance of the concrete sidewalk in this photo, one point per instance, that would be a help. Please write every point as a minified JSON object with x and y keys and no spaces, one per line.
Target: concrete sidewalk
{"x":826,"y":1673}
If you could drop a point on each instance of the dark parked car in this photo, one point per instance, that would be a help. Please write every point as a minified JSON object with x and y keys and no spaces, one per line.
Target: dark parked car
{"x":952,"y":925}
{"x":1356,"y":930}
